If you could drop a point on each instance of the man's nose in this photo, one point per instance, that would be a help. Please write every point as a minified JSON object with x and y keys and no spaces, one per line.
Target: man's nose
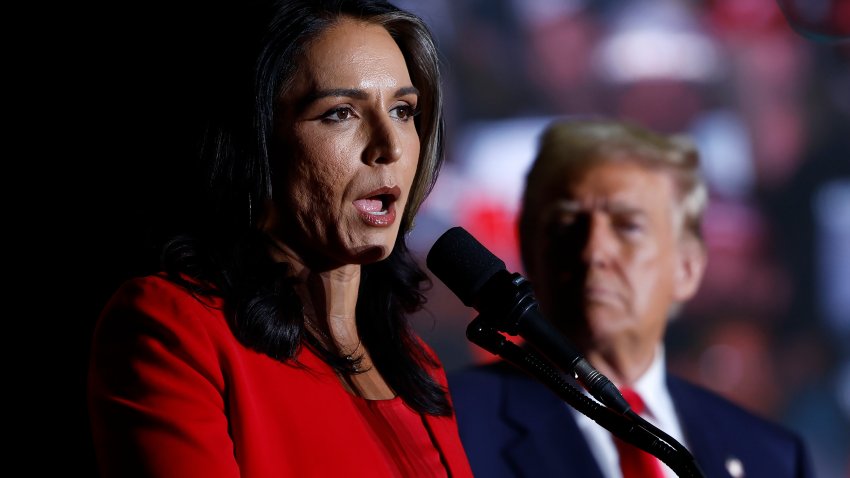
{"x":599,"y":241}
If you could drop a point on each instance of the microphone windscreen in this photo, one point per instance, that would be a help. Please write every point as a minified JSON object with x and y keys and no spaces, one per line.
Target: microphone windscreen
{"x":462,"y":263}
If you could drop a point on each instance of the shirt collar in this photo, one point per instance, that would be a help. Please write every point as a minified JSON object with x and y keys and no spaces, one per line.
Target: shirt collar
{"x":652,"y":387}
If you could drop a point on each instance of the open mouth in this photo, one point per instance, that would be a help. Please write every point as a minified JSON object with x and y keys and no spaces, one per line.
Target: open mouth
{"x":376,"y":207}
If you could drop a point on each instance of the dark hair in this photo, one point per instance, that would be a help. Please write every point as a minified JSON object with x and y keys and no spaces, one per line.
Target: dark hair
{"x":256,"y":55}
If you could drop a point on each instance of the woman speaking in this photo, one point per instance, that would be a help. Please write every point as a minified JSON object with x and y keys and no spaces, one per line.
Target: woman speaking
{"x":274,"y":341}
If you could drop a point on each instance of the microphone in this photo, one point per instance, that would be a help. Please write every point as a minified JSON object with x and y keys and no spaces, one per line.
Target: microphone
{"x":506,"y":301}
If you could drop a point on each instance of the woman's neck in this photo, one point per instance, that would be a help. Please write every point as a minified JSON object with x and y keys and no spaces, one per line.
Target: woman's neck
{"x":329,"y":297}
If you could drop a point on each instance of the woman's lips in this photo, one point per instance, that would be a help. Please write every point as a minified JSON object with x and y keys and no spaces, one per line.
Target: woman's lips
{"x":377,"y":208}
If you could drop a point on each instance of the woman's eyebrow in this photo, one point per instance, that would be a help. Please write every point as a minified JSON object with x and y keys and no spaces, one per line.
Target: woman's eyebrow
{"x":311,"y":97}
{"x":407,"y":90}
{"x":355,"y":93}
{"x":346,"y":92}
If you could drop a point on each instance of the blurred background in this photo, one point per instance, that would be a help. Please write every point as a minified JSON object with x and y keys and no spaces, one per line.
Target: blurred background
{"x":763,"y":89}
{"x":761,"y":86}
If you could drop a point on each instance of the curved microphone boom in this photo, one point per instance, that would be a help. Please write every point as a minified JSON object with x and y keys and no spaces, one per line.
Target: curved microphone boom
{"x":507,"y":303}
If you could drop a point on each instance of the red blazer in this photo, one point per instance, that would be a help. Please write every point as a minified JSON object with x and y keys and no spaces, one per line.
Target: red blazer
{"x":172,"y":393}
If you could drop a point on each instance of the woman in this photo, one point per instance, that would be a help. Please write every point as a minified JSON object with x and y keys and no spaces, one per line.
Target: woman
{"x":274,"y":342}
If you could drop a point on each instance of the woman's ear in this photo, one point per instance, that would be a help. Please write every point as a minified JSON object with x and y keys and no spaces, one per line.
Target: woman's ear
{"x":690,"y":268}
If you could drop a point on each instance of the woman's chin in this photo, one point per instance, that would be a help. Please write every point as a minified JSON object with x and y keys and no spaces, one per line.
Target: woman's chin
{"x":376,"y":244}
{"x":371,"y":254}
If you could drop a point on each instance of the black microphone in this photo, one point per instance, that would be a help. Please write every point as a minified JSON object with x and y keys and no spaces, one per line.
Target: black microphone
{"x":506,"y":301}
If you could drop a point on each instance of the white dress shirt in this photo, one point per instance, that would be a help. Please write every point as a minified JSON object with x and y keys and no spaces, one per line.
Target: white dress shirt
{"x":652,"y":387}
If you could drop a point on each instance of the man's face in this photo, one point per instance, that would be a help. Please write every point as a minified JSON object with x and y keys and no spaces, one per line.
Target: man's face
{"x":606,"y":259}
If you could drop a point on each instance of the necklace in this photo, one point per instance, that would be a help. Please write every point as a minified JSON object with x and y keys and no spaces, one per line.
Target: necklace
{"x":353,"y":359}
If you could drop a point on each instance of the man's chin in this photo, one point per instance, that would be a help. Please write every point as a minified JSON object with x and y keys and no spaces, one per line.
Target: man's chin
{"x":593,"y":322}
{"x":584,"y":317}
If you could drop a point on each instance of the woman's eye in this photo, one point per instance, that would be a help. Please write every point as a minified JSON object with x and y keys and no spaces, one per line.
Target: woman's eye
{"x":338,"y":114}
{"x":403,"y":112}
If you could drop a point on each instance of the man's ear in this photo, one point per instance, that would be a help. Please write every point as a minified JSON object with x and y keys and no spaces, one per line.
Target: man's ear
{"x":690,"y":268}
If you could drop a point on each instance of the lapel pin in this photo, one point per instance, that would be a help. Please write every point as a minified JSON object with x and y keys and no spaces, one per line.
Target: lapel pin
{"x":735,"y":467}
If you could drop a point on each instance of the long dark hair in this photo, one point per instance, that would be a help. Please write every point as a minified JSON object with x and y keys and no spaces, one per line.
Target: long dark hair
{"x":253,"y":61}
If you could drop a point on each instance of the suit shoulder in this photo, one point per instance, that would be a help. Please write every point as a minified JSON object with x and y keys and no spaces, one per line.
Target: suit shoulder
{"x":156,"y":291}
{"x":155,"y":305}
{"x":717,"y":428}
{"x":723,"y":412}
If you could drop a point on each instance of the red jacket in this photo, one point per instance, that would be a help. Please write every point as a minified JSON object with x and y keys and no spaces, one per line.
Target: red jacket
{"x":172,"y":393}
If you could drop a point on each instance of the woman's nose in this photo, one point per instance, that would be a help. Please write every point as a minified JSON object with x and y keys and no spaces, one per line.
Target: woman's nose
{"x":384,"y":144}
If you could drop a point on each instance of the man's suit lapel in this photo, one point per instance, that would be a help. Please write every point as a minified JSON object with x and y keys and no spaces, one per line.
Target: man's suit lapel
{"x":547,"y":438}
{"x":703,"y":442}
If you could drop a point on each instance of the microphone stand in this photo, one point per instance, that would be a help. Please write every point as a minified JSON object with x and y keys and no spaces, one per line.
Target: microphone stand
{"x":629,"y":427}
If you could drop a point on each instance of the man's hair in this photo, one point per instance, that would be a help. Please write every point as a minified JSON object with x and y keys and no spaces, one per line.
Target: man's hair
{"x":576,"y":145}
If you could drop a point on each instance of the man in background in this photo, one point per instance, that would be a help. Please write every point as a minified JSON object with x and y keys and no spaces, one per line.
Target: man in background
{"x":610,"y":237}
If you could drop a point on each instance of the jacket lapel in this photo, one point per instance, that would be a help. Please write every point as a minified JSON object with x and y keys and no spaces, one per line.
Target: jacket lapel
{"x":703,"y":443}
{"x":548,"y":441}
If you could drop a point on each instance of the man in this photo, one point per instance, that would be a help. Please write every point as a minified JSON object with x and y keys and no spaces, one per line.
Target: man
{"x":610,"y":239}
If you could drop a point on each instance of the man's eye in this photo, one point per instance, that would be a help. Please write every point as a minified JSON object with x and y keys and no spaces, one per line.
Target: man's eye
{"x":562,"y":227}
{"x":338,"y":114}
{"x":629,"y":227}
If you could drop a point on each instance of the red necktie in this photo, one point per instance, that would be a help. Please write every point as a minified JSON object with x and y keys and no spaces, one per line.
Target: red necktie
{"x":634,"y":462}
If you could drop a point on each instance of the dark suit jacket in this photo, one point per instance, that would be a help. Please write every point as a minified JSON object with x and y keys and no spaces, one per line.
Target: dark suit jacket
{"x":513,"y":426}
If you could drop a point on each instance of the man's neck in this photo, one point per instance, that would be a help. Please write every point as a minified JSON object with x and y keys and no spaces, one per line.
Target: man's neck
{"x":622,"y":365}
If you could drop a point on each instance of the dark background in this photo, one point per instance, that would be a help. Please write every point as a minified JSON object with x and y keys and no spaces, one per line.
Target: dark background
{"x":107,"y":96}
{"x":108,"y":93}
